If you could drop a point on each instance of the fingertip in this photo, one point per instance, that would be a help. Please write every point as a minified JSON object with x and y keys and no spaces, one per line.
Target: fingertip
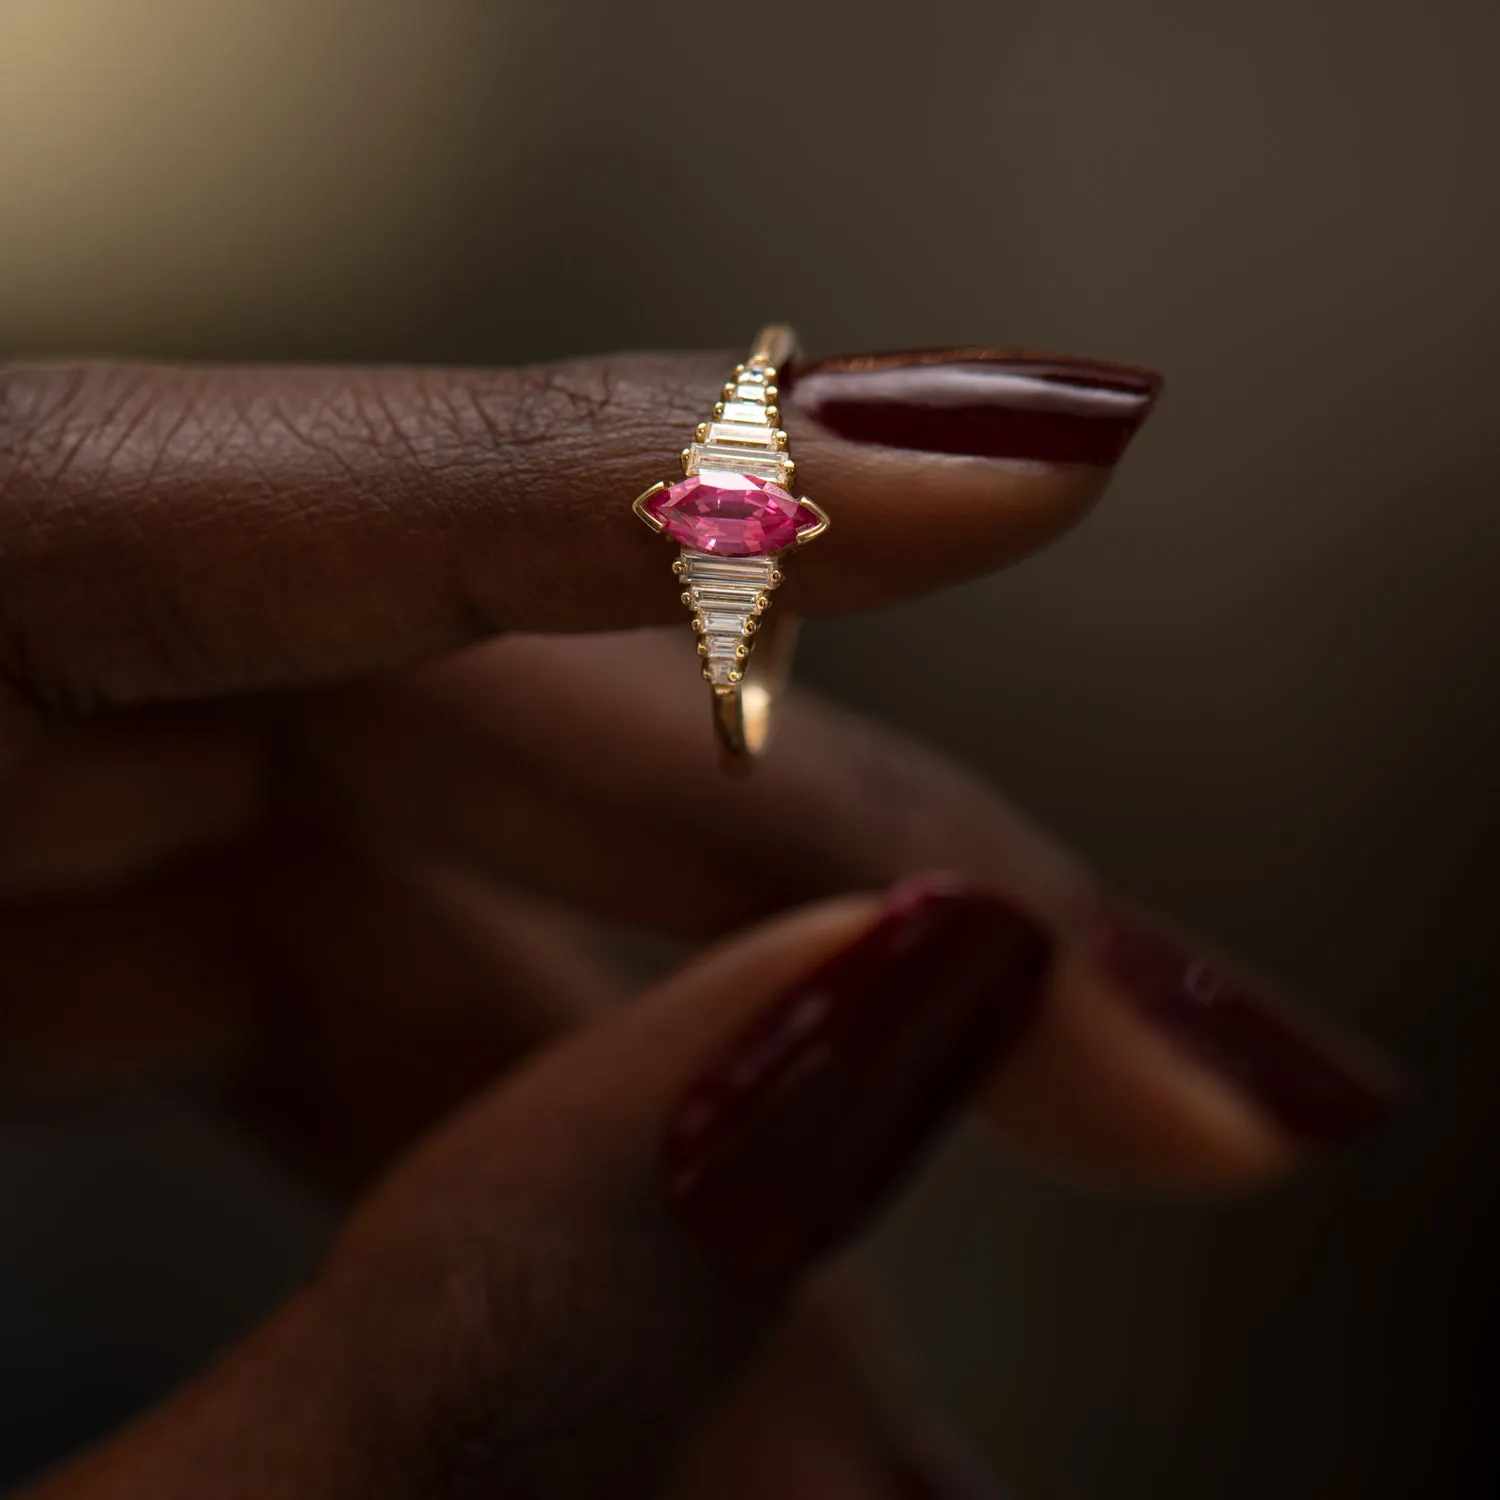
{"x":784,"y":1147}
{"x":1310,"y":1082}
{"x":952,"y":462}
{"x":907,"y":523}
{"x":1152,"y":1064}
{"x":1093,"y":1093}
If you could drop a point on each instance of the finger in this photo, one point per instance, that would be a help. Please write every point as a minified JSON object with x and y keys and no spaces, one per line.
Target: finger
{"x":174,"y":532}
{"x":578,"y":767}
{"x":102,"y":801}
{"x":345,"y":1002}
{"x":1168,"y":1071}
{"x":103,"y":990}
{"x":547,"y":1298}
{"x":391,"y":991}
{"x":584,"y":768}
{"x":828,"y":1411}
{"x":403,"y":989}
{"x":1256,"y":1074}
{"x":799,"y":1424}
{"x":390,"y":964}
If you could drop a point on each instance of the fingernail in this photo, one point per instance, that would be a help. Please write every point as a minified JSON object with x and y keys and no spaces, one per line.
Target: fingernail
{"x":1319,"y":1088}
{"x":987,"y":403}
{"x":779,"y":1153}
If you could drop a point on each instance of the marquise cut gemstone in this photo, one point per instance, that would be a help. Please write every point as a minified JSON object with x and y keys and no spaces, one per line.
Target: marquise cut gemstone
{"x":733,"y":515}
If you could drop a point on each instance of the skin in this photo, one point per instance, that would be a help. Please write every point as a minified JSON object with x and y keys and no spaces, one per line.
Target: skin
{"x":297,"y":755}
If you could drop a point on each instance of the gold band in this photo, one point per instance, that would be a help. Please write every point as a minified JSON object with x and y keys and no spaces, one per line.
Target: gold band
{"x":775,"y":346}
{"x":743,"y":709}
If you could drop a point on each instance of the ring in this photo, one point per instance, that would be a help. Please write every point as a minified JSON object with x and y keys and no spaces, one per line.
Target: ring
{"x":734,"y":516}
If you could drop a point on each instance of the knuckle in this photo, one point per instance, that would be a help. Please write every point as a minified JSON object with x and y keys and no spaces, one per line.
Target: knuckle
{"x":37,"y":433}
{"x":60,"y":559}
{"x":541,"y":417}
{"x":35,"y":429}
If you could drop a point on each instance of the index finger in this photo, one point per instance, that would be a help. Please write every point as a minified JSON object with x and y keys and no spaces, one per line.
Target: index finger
{"x":174,"y":532}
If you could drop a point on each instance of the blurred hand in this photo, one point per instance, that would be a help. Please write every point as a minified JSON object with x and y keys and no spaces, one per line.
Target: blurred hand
{"x":266,"y":805}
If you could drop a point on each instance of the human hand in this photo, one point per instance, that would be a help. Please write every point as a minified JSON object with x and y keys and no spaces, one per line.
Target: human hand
{"x":255,"y":808}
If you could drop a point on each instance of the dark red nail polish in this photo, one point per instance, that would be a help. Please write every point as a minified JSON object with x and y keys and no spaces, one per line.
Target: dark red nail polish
{"x":1314,"y":1086}
{"x":780,"y":1152}
{"x":988,"y":403}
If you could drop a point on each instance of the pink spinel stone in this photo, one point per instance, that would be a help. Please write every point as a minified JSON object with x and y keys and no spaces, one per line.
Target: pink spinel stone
{"x":733,"y":515}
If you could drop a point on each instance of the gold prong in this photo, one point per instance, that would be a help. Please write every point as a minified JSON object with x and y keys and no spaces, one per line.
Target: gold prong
{"x":640,"y":505}
{"x":702,"y":648}
{"x":752,"y":624}
{"x":729,"y":391}
{"x":679,"y":567}
{"x":735,"y":675}
{"x":776,"y":577}
{"x":718,"y":408}
{"x":702,"y":431}
{"x":773,"y":414}
{"x":739,"y":369}
{"x":687,"y":598}
{"x":781,"y":438}
{"x":813,"y":532}
{"x":789,"y":471}
{"x":698,"y":624}
{"x":686,"y":459}
{"x":769,"y":371}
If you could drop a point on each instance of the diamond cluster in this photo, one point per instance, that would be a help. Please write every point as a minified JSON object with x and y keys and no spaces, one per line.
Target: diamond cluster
{"x":727,"y":595}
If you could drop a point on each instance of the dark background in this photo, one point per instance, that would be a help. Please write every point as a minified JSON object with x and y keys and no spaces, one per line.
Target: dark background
{"x":1255,"y":688}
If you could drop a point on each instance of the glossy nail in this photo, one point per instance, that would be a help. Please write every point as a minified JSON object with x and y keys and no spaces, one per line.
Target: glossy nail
{"x":783,"y":1149}
{"x":987,"y":403}
{"x":1316,"y":1087}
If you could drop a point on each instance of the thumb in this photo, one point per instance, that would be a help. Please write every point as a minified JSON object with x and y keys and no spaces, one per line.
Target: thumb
{"x":548,"y":1295}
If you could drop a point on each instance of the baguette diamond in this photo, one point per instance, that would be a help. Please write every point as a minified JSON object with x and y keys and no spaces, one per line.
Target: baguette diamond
{"x":755,"y":435}
{"x":745,"y":411}
{"x":759,"y":463}
{"x":725,"y":594}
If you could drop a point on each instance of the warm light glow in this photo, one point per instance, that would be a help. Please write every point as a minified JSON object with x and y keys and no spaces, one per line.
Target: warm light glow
{"x":167,"y":160}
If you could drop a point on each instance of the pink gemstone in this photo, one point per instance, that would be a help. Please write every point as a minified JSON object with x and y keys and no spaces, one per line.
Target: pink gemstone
{"x":733,"y":515}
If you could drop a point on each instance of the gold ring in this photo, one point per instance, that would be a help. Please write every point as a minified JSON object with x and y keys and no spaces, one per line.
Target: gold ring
{"x":735,"y":516}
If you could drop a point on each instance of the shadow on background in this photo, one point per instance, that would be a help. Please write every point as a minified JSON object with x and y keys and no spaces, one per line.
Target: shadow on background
{"x":1255,"y":689}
